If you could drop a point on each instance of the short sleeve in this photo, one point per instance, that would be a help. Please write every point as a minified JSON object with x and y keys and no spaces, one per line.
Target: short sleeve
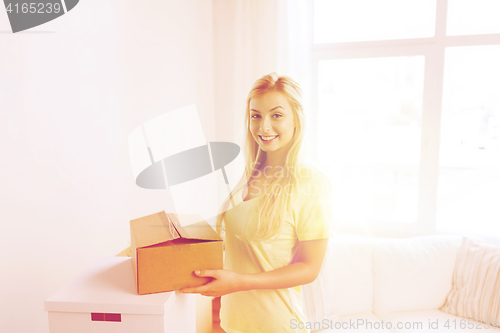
{"x":313,"y":209}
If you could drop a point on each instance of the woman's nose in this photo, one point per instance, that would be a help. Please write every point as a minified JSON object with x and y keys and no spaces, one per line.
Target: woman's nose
{"x":266,"y":124}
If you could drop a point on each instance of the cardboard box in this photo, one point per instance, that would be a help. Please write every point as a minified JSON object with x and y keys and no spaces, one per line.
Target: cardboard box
{"x":165,"y":252}
{"x":104,"y":299}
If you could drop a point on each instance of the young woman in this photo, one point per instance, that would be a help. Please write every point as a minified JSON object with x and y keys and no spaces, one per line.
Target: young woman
{"x":277,"y":232}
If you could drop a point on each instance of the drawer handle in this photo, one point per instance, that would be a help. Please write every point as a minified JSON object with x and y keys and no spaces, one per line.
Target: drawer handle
{"x":106,"y":316}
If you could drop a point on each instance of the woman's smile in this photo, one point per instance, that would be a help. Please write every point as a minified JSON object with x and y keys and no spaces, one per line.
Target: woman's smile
{"x":268,"y":139}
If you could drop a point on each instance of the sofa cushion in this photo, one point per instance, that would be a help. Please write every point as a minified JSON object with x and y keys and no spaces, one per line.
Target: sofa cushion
{"x":413,"y":273}
{"x":429,"y":321}
{"x":476,"y":282}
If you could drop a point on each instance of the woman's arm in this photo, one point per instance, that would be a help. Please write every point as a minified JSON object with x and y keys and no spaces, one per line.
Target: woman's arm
{"x":303,"y":269}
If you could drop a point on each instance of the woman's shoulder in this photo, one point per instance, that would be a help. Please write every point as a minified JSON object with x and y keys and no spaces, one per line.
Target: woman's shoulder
{"x":310,"y":173}
{"x":314,"y":188}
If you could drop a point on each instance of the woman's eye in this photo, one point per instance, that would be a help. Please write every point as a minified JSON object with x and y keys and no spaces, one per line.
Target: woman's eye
{"x":278,"y":115}
{"x":255,"y":116}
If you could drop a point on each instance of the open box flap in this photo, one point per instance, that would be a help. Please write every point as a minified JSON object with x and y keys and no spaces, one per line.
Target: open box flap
{"x":153,"y":229}
{"x":199,"y":230}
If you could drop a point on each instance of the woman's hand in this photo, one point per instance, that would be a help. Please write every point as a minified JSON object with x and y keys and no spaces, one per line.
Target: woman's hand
{"x":304,"y":269}
{"x":224,"y":282}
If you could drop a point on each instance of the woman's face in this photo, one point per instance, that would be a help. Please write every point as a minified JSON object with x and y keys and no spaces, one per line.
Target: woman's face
{"x":271,"y":122}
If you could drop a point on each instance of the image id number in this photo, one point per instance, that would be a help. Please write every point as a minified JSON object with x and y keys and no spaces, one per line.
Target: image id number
{"x":470,"y":324}
{"x":33,"y":7}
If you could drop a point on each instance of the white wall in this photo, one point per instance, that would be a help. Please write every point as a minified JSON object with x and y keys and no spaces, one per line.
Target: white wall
{"x":71,"y":91}
{"x":248,"y":43}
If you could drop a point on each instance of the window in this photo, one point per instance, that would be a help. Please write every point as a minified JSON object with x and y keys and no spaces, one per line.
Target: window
{"x":469,"y":161}
{"x":408,"y":113}
{"x":365,"y":103}
{"x":364,"y":20}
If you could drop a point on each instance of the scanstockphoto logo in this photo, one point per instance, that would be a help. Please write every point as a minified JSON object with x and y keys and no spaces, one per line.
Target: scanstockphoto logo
{"x":25,"y":14}
{"x":170,"y":151}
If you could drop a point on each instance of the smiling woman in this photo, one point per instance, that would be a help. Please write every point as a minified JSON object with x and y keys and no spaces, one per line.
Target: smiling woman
{"x":277,"y":233}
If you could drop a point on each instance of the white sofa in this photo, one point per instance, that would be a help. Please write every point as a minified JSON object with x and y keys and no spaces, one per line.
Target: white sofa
{"x":386,"y":285}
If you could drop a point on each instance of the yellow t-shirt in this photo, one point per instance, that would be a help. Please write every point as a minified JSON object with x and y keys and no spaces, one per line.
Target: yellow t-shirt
{"x":272,"y":310}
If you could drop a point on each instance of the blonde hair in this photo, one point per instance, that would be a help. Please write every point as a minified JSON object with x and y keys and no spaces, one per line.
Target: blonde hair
{"x":274,"y":206}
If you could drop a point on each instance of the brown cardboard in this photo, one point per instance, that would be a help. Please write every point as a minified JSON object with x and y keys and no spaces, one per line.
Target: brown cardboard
{"x":165,"y":254}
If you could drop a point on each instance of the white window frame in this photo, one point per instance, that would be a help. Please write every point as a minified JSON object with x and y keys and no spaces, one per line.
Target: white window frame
{"x":433,"y":49}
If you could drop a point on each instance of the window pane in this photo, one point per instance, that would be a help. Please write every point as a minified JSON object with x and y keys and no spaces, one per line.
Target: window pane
{"x":469,"y":173}
{"x":468,"y":17}
{"x":366,"y":20}
{"x":369,"y":136}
